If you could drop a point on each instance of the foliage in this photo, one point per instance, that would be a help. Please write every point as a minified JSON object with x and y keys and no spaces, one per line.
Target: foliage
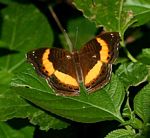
{"x":27,"y":25}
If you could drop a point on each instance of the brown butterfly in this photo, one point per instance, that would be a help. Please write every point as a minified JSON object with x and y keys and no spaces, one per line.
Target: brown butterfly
{"x":65,"y":70}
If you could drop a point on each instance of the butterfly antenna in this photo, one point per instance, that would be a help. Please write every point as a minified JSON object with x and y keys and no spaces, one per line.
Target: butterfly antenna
{"x":69,"y":43}
{"x":76,"y":37}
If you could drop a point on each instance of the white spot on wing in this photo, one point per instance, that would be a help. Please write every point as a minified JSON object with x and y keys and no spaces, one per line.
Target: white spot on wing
{"x":94,"y":56}
{"x":112,"y":35}
{"x":68,"y":56}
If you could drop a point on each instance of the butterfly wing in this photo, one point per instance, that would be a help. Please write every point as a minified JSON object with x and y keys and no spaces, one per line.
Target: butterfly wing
{"x":56,"y":66}
{"x":96,"y":59}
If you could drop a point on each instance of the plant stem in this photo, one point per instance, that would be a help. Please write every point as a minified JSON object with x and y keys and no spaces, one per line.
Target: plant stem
{"x":129,"y":55}
{"x":128,"y":127}
{"x":61,"y":28}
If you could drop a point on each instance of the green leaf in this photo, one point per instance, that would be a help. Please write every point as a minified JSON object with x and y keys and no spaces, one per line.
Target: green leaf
{"x":120,"y":133}
{"x":47,"y":121}
{"x":140,"y":9}
{"x":142,"y":104}
{"x":115,"y":15}
{"x":132,"y":74}
{"x":144,"y":57}
{"x":5,"y":77}
{"x":109,"y":14}
{"x":104,"y":13}
{"x":11,"y":105}
{"x":99,"y":106}
{"x":8,"y":132}
{"x":136,"y":123}
{"x":21,"y":32}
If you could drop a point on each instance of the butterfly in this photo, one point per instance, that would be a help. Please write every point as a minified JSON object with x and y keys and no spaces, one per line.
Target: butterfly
{"x":91,"y":65}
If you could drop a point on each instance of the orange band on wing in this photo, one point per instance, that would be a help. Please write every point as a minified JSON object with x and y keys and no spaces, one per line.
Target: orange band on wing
{"x":48,"y":66}
{"x":66,"y":79}
{"x":93,"y":73}
{"x":104,"y":51}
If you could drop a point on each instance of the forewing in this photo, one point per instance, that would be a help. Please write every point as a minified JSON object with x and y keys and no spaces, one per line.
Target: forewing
{"x":56,"y":66}
{"x":109,"y":43}
{"x":96,"y":59}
